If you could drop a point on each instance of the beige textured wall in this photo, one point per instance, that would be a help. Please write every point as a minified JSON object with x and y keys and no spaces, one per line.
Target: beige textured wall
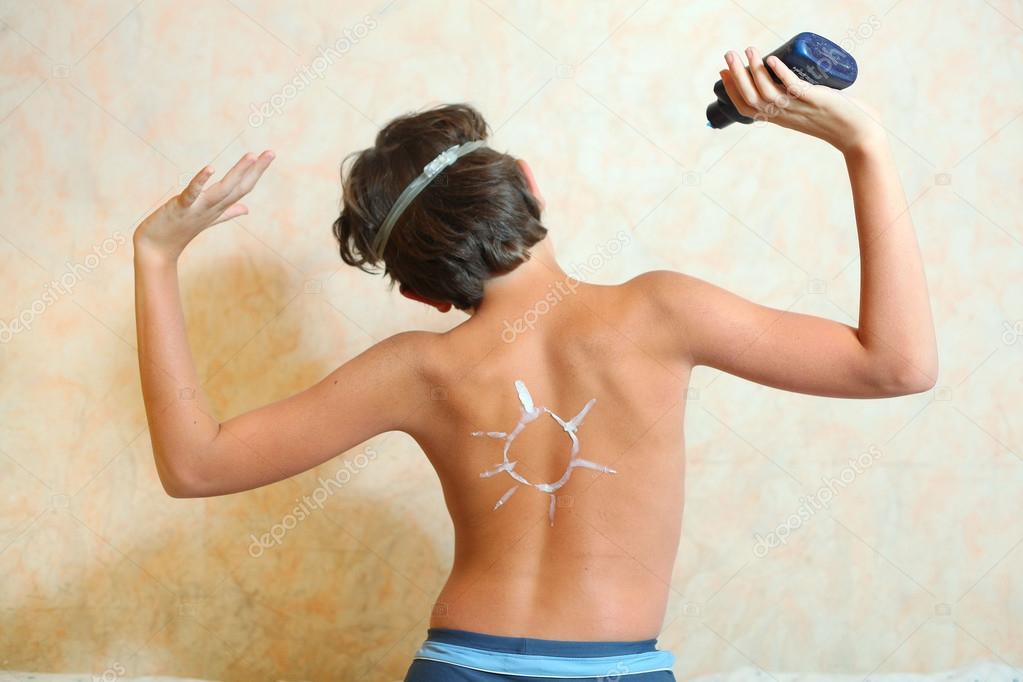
{"x":107,"y":106}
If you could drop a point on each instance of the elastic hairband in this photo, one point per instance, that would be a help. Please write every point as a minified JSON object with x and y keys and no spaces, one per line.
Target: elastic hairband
{"x":430,"y":171}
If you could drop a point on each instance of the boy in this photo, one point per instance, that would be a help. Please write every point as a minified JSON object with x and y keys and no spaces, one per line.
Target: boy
{"x":566,"y":537}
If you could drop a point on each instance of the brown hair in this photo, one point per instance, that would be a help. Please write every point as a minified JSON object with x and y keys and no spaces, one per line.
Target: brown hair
{"x":475,"y":220}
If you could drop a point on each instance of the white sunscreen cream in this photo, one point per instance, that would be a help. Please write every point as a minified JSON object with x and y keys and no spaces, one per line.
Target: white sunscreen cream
{"x":530,"y":412}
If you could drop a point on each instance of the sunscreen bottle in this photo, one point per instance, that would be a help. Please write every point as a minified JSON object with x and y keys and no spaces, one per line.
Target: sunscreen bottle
{"x":813,"y":58}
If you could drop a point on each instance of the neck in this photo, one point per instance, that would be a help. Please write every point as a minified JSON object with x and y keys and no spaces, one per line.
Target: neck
{"x":522,"y":288}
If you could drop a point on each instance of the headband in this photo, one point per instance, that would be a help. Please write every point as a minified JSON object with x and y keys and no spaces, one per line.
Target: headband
{"x":430,"y":171}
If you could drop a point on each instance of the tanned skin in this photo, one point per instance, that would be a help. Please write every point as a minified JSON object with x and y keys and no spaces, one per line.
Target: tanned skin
{"x":602,"y":571}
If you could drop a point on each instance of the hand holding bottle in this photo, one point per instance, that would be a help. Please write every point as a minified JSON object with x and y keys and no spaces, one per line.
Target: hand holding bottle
{"x":815,"y":110}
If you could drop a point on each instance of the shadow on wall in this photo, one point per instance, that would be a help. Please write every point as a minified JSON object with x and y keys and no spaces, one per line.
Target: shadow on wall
{"x":298,"y":580}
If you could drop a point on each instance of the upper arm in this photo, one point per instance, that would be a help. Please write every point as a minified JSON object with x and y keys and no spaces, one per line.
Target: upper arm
{"x":374,"y":392}
{"x":770,"y":346}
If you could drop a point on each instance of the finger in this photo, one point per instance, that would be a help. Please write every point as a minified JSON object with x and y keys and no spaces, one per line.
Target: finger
{"x":761,"y":78}
{"x":743,"y":82}
{"x":195,"y":185}
{"x":219,"y":192}
{"x":252,"y":176}
{"x":793,"y":84}
{"x":733,"y":94}
{"x":233,"y":211}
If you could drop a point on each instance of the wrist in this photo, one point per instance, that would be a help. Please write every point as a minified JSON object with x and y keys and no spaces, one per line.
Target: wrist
{"x":148,"y":255}
{"x":862,"y":135}
{"x":863,"y":142}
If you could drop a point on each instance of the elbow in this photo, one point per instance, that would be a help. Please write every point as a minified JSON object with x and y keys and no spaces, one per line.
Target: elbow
{"x":908,"y":378}
{"x":910,"y":387}
{"x":179,"y":491}
{"x":178,"y":488}
{"x":178,"y":482}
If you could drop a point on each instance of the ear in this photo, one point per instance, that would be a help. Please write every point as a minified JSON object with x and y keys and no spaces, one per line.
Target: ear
{"x":409,"y":294}
{"x":531,"y":181}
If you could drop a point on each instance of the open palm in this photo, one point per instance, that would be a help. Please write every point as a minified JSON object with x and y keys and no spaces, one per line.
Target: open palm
{"x":169,"y":229}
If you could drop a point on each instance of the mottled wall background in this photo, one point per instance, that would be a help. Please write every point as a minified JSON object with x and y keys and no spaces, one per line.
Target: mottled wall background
{"x":107,"y":107}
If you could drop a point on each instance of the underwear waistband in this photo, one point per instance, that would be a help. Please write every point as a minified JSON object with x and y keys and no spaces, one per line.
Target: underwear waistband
{"x":543,"y":657}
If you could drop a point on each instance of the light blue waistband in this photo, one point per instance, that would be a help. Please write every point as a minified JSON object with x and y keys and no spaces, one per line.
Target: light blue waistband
{"x":531,"y":665}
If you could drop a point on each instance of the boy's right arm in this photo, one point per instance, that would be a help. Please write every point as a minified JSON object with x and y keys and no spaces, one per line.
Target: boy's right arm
{"x":893,"y":350}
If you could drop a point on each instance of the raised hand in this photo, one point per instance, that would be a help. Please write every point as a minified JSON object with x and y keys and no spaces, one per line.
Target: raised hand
{"x":169,"y":229}
{"x":815,"y":110}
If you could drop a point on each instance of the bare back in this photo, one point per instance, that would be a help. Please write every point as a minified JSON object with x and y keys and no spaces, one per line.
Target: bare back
{"x":600,"y":568}
{"x":601,"y":571}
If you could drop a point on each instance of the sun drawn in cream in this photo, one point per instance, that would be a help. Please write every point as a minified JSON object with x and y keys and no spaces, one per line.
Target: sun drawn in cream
{"x":530,"y":413}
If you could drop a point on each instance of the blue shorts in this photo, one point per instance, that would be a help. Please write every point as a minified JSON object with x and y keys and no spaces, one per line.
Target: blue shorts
{"x":462,"y":656}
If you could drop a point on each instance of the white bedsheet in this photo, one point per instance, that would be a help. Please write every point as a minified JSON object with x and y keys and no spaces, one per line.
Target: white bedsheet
{"x":977,"y":672}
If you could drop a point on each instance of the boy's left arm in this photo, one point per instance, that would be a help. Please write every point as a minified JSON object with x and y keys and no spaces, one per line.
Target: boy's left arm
{"x":198,"y":456}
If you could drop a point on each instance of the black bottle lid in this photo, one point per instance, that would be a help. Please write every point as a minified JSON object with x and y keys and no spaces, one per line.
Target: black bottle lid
{"x":716,"y":117}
